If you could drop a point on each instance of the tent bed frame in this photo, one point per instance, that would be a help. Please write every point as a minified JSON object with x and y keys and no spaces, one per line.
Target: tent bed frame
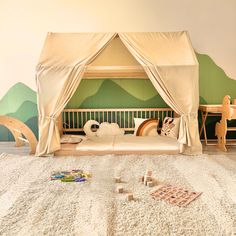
{"x":72,"y":121}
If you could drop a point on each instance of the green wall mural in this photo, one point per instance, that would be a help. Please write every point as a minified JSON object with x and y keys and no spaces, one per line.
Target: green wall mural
{"x":116,"y":93}
{"x":214,"y":83}
{"x":20,"y":101}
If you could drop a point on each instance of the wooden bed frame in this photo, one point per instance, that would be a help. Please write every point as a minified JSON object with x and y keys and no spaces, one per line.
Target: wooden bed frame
{"x":72,"y":121}
{"x":228,"y":113}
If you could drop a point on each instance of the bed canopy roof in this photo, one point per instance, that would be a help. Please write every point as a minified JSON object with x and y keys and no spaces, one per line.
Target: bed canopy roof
{"x":167,"y":59}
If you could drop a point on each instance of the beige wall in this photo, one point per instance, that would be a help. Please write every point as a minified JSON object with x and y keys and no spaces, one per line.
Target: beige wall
{"x":24,"y":24}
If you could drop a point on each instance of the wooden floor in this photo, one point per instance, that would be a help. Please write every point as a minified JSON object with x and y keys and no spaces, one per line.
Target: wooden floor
{"x":9,"y":147}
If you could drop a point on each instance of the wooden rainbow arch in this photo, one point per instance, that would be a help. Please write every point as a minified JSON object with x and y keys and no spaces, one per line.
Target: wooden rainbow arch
{"x":19,"y":130}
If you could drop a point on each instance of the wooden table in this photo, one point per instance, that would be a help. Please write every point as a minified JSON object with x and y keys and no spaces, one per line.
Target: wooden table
{"x":209,"y":110}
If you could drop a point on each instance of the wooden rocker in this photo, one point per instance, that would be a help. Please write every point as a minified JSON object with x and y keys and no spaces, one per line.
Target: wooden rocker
{"x":228,"y":113}
{"x":21,"y":132}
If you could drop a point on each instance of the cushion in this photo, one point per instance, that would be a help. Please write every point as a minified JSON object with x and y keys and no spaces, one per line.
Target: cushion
{"x":109,"y":129}
{"x":88,"y":128}
{"x":73,"y":139}
{"x":148,"y":128}
{"x":170,"y":127}
{"x":137,"y":123}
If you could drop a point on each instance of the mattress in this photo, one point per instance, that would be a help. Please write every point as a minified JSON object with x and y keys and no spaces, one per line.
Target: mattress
{"x":139,"y":143}
{"x":96,"y":144}
{"x":129,"y":143}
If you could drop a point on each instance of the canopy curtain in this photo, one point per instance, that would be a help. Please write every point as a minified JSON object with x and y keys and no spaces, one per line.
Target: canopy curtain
{"x":171,"y":65}
{"x":61,"y":67}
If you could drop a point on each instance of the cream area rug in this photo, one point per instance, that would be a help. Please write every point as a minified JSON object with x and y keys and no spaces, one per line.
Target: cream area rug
{"x":31,"y":204}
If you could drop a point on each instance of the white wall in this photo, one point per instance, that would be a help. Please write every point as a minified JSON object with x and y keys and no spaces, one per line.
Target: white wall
{"x":24,"y":24}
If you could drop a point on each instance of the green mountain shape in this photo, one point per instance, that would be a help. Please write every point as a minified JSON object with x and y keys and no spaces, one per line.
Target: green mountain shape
{"x":111,"y":95}
{"x":142,"y":89}
{"x":32,"y":123}
{"x":15,"y":97}
{"x":5,"y":134}
{"x":214,"y":83}
{"x":86,"y":88}
{"x":26,"y":111}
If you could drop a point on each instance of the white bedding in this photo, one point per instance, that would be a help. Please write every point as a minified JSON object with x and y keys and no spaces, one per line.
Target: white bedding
{"x":138,"y":143}
{"x":128,"y":143}
{"x":96,"y":144}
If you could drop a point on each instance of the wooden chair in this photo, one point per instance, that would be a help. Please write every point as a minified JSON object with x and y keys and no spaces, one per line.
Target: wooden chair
{"x":228,"y":113}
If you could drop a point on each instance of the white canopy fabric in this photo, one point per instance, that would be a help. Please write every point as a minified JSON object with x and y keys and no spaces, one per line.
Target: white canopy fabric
{"x":60,"y":69}
{"x":167,"y":58}
{"x":171,"y":65}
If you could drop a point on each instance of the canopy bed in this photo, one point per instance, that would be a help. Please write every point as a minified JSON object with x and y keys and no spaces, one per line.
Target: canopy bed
{"x":167,"y":59}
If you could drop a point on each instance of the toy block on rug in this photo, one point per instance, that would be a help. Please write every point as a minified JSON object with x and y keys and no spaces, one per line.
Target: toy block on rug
{"x":117,"y":179}
{"x":75,"y":175}
{"x":150,"y":184}
{"x":147,"y":179}
{"x":175,"y":195}
{"x":120,"y":189}
{"x":130,"y":197}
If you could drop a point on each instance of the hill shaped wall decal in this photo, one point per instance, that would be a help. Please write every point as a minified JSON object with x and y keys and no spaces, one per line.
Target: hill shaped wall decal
{"x":15,"y":97}
{"x":111,"y":95}
{"x":214,"y":83}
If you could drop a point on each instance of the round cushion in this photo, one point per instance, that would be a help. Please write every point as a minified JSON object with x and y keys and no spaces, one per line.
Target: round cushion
{"x":88,"y":127}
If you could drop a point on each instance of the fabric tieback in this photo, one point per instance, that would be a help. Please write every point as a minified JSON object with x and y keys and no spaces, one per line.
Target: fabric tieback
{"x":51,"y":120}
{"x":48,"y":117}
{"x":184,"y":135}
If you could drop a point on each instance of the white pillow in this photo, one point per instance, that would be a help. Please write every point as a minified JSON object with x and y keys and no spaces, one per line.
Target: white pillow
{"x":137,"y":123}
{"x":170,"y":127}
{"x":109,"y":129}
{"x":87,"y":128}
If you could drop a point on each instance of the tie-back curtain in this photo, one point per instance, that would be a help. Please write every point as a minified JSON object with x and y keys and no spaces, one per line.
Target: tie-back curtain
{"x":59,"y":72}
{"x":171,"y":65}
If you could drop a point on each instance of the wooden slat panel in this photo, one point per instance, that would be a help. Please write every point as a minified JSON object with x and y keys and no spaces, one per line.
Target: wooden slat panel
{"x":125,"y":120}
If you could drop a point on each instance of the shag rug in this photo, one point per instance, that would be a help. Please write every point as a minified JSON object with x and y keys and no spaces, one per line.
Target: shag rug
{"x":31,"y":204}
